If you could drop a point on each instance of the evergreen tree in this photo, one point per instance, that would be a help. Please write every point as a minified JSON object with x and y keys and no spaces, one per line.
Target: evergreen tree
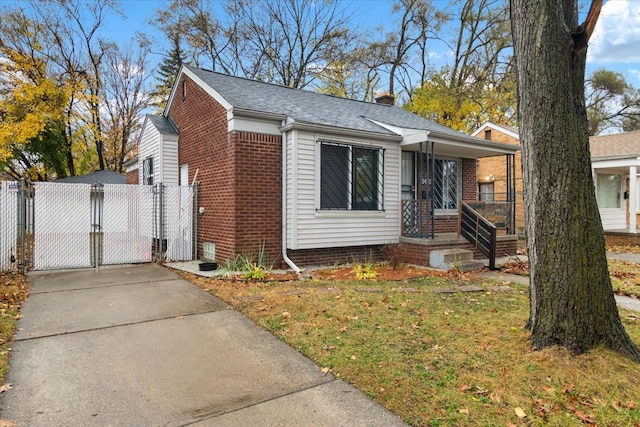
{"x":167,"y":72}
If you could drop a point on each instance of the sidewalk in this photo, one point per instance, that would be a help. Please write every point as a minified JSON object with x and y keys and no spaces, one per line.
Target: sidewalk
{"x":622,"y":301}
{"x":140,"y":346}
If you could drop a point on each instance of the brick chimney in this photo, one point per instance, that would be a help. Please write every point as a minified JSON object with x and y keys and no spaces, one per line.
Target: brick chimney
{"x":386,"y":99}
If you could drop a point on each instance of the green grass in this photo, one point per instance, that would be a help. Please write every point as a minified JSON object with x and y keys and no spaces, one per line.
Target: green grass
{"x":445,"y":359}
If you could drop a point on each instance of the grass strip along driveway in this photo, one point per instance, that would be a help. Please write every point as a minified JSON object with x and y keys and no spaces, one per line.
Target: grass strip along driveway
{"x":438,"y":355}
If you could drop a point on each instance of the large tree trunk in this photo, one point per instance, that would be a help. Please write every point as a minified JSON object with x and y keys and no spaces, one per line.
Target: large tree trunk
{"x":572,"y":302}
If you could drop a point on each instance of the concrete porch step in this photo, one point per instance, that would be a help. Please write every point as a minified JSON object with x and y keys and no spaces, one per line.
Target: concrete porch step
{"x":444,"y":258}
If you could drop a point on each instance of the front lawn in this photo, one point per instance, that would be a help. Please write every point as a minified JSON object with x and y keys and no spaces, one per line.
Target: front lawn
{"x":437,"y":358}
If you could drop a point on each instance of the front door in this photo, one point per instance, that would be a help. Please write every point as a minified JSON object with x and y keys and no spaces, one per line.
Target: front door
{"x":410,"y":220}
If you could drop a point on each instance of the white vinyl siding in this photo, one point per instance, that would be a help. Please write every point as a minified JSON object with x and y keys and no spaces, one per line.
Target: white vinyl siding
{"x":309,"y":227}
{"x":613,"y":219}
{"x":163,"y":149}
{"x":169,"y":159}
{"x":149,"y":147}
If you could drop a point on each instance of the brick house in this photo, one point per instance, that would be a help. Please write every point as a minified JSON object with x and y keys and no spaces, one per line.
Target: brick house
{"x":615,"y":162}
{"x":492,"y":171}
{"x":312,"y":178}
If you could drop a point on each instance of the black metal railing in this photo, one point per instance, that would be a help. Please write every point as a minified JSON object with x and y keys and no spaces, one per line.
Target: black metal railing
{"x":478,"y":231}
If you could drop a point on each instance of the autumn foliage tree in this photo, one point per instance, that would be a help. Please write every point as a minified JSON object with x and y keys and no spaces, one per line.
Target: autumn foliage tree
{"x":479,"y":83}
{"x":32,"y":108}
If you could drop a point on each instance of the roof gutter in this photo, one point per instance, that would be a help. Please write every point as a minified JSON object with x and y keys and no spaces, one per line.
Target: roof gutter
{"x":286,"y":259}
{"x":357,"y":133}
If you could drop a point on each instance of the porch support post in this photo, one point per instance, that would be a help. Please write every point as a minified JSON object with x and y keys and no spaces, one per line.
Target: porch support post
{"x":633,"y":198}
{"x":431,"y":182}
{"x":511,"y":196}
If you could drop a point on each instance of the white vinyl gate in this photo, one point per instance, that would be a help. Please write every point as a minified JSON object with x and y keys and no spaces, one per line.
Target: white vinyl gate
{"x":8,"y":224}
{"x":77,"y":225}
{"x":127,"y":224}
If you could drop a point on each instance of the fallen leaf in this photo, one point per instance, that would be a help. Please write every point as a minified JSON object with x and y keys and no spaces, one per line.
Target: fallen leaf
{"x":7,"y":423}
{"x":5,"y":387}
{"x":520,"y":412}
{"x":325,"y":370}
{"x":386,"y":298}
{"x":353,"y":357}
{"x":464,"y":411}
{"x":286,"y":315}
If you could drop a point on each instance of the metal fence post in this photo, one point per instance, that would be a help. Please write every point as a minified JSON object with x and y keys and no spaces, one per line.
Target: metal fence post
{"x":194,"y":234}
{"x":21,"y":223}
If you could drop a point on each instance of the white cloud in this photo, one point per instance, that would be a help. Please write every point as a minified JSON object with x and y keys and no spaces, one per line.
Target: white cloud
{"x":616,"y":37}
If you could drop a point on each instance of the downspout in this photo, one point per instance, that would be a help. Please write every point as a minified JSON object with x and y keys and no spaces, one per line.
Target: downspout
{"x":286,"y":259}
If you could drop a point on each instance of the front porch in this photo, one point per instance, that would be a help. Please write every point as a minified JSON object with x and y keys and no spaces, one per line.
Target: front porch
{"x":418,"y":250}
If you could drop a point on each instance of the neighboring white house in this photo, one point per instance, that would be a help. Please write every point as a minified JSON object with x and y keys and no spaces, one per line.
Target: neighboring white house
{"x":615,"y":160}
{"x":157,"y":152}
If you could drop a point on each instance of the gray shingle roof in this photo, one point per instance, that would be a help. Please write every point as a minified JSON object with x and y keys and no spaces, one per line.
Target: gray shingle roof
{"x":101,"y":177}
{"x":163,"y":124}
{"x":312,"y":107}
{"x":617,"y":145}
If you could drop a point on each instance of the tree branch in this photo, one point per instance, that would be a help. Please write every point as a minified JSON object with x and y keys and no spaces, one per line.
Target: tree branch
{"x":592,"y":17}
{"x":583,"y":33}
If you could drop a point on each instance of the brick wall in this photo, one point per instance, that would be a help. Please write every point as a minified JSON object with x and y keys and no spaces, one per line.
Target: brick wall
{"x":258,"y":188}
{"x":419,"y":254}
{"x":469,"y":179}
{"x":623,"y":239}
{"x":205,"y":145}
{"x":132,"y":177}
{"x":329,"y":256}
{"x":239,"y":176}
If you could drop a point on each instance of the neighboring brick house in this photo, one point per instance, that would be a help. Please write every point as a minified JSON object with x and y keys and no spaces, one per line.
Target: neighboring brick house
{"x":615,"y":162}
{"x":492,"y":171}
{"x":131,"y":170}
{"x":312,"y":178}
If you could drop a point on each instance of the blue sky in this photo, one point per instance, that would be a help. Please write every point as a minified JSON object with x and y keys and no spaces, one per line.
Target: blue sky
{"x":615,"y":44}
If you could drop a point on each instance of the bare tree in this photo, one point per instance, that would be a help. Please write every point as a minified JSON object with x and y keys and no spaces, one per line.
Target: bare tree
{"x":124,"y":80}
{"x":572,"y":302}
{"x":289,"y":42}
{"x":406,"y":45}
{"x":611,"y":102}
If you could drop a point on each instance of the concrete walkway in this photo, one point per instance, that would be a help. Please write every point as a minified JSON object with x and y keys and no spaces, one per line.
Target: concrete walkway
{"x":139,"y":346}
{"x":622,"y":301}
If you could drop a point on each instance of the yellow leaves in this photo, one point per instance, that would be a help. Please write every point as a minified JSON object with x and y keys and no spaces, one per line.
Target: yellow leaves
{"x":519,"y":412}
{"x":32,"y":101}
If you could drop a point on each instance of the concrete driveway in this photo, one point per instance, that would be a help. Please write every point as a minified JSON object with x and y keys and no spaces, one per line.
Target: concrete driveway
{"x":139,"y":346}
